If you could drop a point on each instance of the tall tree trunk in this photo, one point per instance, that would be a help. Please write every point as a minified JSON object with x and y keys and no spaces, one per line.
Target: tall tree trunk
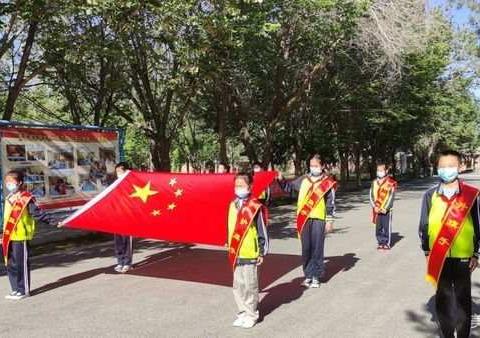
{"x":19,"y":83}
{"x":267,"y":158}
{"x":222,"y":132}
{"x":394,"y":163}
{"x":358,"y":166}
{"x":248,"y":145}
{"x":297,"y":161}
{"x":343,"y":167}
{"x":160,"y":151}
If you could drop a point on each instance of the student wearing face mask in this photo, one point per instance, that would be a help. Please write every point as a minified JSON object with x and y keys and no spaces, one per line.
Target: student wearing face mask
{"x":20,"y":214}
{"x":382,"y":194}
{"x":265,"y":195}
{"x":449,"y":232}
{"x":247,"y":245}
{"x":123,"y":244}
{"x":315,"y":212}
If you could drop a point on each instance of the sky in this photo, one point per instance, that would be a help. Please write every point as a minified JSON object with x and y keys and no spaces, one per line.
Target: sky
{"x":460,"y":18}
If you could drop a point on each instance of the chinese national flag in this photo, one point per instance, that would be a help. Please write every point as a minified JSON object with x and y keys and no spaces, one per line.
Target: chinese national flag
{"x":187,"y":208}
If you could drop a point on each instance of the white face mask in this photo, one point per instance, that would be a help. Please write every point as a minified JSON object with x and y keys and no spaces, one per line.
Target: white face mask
{"x":381,"y":174}
{"x":316,"y":171}
{"x":257,"y":170}
{"x":120,"y":175}
{"x":242,"y":193}
{"x":11,"y":187}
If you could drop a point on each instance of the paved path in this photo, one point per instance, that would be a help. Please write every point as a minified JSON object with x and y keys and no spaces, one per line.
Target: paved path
{"x":184,"y":291}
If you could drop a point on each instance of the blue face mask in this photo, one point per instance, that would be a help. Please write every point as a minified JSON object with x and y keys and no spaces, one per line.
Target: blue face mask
{"x":11,"y":187}
{"x":381,"y":174}
{"x":242,"y":193}
{"x":315,"y":171}
{"x":448,"y":174}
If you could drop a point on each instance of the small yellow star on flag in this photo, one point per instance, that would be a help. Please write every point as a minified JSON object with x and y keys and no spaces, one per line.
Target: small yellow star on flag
{"x":173,"y":181}
{"x":171,"y":206}
{"x":156,"y":212}
{"x":143,"y":193}
{"x":179,"y":192}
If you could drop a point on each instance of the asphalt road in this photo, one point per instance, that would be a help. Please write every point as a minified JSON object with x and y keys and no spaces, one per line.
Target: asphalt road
{"x":185,"y":291}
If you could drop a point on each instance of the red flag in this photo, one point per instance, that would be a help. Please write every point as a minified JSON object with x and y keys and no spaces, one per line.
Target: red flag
{"x":187,"y":208}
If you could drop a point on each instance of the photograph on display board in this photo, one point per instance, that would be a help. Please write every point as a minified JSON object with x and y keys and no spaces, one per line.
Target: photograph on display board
{"x":61,"y":158}
{"x":97,"y":170}
{"x":108,"y":161}
{"x":61,"y":186}
{"x":35,"y":152}
{"x":61,"y":169}
{"x":88,"y":183}
{"x":16,"y":152}
{"x":85,"y":157}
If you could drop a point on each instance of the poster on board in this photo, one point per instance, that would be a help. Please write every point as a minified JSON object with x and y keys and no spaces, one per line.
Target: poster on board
{"x":63,"y":168}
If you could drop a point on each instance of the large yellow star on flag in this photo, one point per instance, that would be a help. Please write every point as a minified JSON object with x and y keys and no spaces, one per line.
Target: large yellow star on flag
{"x":143,"y":193}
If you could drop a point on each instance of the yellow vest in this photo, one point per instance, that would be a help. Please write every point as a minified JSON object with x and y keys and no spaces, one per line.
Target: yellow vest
{"x":320,"y":210}
{"x":25,"y":228}
{"x":463,"y":246}
{"x":249,"y":249}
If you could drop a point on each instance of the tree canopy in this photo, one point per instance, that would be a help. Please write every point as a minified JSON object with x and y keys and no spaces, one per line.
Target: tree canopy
{"x":195,"y":81}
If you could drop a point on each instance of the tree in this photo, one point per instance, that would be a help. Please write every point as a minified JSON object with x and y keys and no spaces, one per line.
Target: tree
{"x":20,"y":62}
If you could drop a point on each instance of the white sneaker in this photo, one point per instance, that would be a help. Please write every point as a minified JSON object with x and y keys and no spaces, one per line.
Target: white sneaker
{"x":238,"y":322}
{"x":11,"y":295}
{"x":19,"y":296}
{"x":16,"y":296}
{"x":315,"y":284}
{"x":126,"y":268}
{"x":248,"y":323}
{"x":306,"y":283}
{"x":475,"y":321}
{"x":118,"y":268}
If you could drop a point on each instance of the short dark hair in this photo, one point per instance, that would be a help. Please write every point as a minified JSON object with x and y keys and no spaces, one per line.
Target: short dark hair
{"x":246,"y":176}
{"x":382,"y":163}
{"x":449,"y":152}
{"x":316,"y":157}
{"x":123,"y":165}
{"x":17,"y":175}
{"x":225,"y":165}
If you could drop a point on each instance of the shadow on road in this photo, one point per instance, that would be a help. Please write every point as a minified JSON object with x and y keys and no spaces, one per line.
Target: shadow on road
{"x":285,"y":293}
{"x":69,"y":256}
{"x":428,"y":326}
{"x":278,"y":295}
{"x":395,"y":238}
{"x":337,"y":264}
{"x":425,"y":321}
{"x":62,"y":259}
{"x":209,"y":266}
{"x":188,"y":264}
